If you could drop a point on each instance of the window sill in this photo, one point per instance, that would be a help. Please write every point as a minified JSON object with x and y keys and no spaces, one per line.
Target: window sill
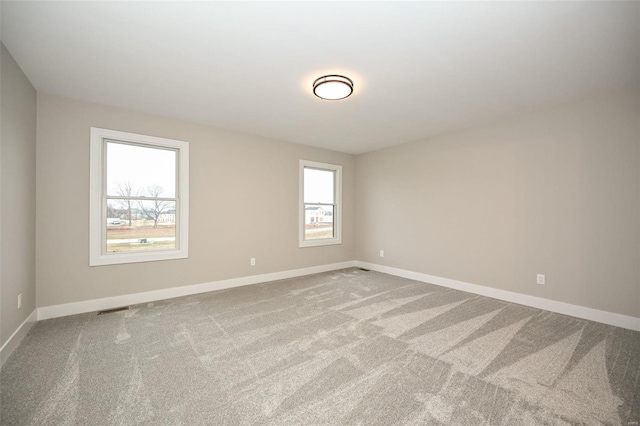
{"x":317,"y":243}
{"x":116,"y":259}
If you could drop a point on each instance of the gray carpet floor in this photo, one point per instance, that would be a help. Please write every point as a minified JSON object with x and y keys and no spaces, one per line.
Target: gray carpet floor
{"x":346,"y":347}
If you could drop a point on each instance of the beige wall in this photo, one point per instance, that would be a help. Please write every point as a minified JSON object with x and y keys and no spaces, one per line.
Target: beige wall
{"x":243,"y":203}
{"x":555,"y":192}
{"x":17,"y":196}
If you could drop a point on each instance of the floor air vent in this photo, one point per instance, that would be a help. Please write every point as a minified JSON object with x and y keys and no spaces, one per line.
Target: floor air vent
{"x":110,"y":311}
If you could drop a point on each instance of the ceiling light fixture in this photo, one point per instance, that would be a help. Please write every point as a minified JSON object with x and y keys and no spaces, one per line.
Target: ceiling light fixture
{"x":333,"y":87}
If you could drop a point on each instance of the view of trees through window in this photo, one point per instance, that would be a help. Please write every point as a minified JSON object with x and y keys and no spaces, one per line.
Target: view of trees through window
{"x":141,"y":204}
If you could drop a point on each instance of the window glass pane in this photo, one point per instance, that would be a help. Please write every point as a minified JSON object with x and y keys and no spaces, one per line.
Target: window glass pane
{"x":140,"y":225}
{"x":318,"y":222}
{"x":134,"y":170}
{"x":318,"y":186}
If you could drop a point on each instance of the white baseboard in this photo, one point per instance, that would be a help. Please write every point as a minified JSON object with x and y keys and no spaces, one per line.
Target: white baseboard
{"x":55,"y":311}
{"x":596,"y":315}
{"x":17,"y":336}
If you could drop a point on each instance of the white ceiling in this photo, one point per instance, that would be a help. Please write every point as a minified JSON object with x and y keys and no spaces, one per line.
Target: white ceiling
{"x":419,"y":68}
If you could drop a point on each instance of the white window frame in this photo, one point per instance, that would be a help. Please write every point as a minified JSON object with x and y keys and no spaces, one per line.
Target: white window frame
{"x":98,"y":199}
{"x":337,"y":210}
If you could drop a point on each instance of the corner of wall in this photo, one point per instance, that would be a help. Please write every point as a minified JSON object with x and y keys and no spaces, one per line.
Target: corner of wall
{"x":17,"y":201}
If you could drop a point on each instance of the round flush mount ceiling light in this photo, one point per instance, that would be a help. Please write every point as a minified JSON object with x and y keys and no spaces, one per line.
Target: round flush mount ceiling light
{"x":333,"y":87}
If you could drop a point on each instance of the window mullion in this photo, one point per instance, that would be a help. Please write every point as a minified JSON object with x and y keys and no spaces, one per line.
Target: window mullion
{"x":117,"y":197}
{"x":321,"y":205}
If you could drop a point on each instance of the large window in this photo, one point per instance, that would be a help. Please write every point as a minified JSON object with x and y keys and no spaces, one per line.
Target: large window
{"x":139,"y":198}
{"x":320,"y":204}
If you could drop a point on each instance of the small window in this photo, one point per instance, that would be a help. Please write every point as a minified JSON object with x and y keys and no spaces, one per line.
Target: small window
{"x":320,"y":204}
{"x":139,"y":208}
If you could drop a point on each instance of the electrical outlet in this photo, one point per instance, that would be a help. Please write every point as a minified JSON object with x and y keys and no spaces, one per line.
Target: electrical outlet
{"x":381,"y":253}
{"x":20,"y":301}
{"x":253,"y":261}
{"x":540,"y":279}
